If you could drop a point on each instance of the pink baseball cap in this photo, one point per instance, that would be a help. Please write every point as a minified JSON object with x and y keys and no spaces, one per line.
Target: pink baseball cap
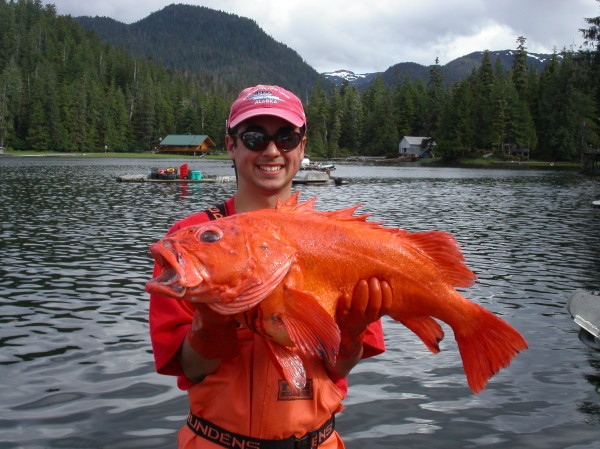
{"x":266,"y":100}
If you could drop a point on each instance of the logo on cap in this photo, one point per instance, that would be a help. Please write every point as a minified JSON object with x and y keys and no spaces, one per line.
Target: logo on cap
{"x":264,"y":96}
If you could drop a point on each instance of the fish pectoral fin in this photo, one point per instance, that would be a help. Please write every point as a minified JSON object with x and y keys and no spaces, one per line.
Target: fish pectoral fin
{"x":289,"y":364}
{"x":310,"y":327}
{"x":427,"y":329}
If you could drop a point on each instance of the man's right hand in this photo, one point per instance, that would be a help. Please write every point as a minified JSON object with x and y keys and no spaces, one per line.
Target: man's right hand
{"x":212,"y":335}
{"x":211,"y":339}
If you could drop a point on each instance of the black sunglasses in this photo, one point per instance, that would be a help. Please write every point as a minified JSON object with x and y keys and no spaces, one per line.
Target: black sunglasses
{"x":285,"y":140}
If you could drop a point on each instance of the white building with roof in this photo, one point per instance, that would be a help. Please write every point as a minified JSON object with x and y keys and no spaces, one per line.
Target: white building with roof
{"x":420,"y":146}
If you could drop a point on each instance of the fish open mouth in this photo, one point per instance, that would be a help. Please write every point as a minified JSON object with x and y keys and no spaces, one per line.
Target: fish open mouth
{"x":181,"y":274}
{"x":167,"y":284}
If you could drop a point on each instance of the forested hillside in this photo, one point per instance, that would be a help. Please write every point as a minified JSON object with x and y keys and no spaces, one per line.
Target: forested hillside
{"x":201,"y":40}
{"x":554,"y":112}
{"x":63,"y":89}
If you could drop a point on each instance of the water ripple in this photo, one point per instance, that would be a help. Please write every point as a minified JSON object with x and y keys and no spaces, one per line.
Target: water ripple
{"x":76,"y":362}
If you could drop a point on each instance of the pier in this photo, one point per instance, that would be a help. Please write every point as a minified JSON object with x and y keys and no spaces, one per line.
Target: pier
{"x":589,"y":161}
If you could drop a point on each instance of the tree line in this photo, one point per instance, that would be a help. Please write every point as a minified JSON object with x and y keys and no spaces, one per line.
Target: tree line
{"x":63,"y":89}
{"x":553,"y":113}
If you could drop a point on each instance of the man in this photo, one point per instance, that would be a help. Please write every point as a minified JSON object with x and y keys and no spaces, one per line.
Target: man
{"x":237,"y":396}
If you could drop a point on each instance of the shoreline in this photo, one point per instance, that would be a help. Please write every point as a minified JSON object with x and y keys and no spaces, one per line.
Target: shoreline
{"x":463,"y":163}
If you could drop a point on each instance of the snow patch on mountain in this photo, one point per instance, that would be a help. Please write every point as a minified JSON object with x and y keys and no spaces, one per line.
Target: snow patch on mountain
{"x":347,"y":75}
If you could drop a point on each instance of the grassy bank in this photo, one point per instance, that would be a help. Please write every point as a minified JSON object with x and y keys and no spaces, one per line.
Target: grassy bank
{"x":113,"y":155}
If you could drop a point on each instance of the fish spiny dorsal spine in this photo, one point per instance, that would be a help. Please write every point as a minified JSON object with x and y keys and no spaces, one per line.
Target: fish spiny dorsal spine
{"x":291,"y":205}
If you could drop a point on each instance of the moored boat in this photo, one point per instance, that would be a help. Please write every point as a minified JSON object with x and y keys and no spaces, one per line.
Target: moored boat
{"x":584,"y":307}
{"x":306,"y":164}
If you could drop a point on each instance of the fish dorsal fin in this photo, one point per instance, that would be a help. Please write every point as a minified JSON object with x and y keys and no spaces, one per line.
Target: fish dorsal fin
{"x":292,"y":205}
{"x":348,"y":215}
{"x":310,"y":327}
{"x":443,"y":249}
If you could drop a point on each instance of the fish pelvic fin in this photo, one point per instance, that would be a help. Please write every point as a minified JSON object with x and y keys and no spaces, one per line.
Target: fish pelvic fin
{"x":489,"y":346}
{"x":427,"y":329}
{"x":445,"y":252}
{"x":289,"y":363}
{"x":310,"y":327}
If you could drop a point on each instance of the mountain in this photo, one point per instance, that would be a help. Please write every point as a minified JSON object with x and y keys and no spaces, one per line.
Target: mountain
{"x":235,"y":51}
{"x":455,"y":70}
{"x":232,"y":49}
{"x":339,"y":76}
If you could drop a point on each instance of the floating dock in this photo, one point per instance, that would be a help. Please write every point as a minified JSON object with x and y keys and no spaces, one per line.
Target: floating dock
{"x":146,"y":178}
{"x":308,"y":178}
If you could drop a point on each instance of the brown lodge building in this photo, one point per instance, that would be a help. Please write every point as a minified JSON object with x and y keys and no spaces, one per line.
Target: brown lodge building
{"x":185,"y":143}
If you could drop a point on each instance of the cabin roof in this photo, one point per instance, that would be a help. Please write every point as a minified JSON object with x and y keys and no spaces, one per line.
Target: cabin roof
{"x":186,"y":140}
{"x":414,"y":140}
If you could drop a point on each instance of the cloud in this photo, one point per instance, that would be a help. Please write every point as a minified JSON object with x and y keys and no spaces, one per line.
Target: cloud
{"x":372,"y":35}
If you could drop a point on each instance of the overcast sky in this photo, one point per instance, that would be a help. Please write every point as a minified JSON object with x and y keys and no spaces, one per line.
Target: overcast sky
{"x":371,"y":35}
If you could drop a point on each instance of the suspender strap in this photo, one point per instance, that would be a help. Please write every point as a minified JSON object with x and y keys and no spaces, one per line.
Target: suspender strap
{"x":222,"y":437}
{"x":217,"y":211}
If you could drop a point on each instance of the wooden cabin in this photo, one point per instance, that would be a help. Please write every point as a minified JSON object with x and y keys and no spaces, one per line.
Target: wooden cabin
{"x":186,"y":144}
{"x":512,"y":149}
{"x":419,"y":146}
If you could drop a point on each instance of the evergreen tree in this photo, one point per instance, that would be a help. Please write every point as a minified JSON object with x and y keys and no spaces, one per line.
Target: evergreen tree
{"x":521,"y":129}
{"x":405,"y":108}
{"x":456,"y":136}
{"x":336,"y":112}
{"x":501,"y":120}
{"x":11,"y":87}
{"x":519,"y":69}
{"x":484,"y":107}
{"x":559,"y":116}
{"x":317,"y":115}
{"x":38,"y":135}
{"x":352,"y":118}
{"x":435,"y":99}
{"x":380,"y":134}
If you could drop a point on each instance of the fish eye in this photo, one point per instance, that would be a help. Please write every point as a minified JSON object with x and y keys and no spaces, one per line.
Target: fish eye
{"x":210,"y":236}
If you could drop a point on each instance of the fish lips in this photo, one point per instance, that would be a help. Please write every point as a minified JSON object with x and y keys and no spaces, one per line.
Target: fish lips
{"x":181,"y":276}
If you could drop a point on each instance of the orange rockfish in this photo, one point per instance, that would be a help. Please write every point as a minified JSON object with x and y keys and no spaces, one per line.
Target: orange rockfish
{"x":281,"y":272}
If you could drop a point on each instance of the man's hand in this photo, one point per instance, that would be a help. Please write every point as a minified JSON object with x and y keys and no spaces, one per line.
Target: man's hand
{"x":369,"y":302}
{"x":212,"y":335}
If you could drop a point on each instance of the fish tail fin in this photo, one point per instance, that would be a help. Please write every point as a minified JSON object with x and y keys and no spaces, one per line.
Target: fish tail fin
{"x":289,"y":363}
{"x":489,"y":346}
{"x":427,"y":329}
{"x":310,"y":327}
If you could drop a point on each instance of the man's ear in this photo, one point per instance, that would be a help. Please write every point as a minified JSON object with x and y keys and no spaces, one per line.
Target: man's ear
{"x":303,"y":146}
{"x":230,"y":144}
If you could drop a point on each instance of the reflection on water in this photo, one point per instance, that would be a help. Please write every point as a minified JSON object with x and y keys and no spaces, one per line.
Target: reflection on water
{"x":76,"y":365}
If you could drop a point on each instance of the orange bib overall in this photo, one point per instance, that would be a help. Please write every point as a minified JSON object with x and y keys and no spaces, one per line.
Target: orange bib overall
{"x":247,"y":396}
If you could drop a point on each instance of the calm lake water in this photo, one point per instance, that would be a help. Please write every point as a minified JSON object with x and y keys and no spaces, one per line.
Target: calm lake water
{"x":76,"y":367}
